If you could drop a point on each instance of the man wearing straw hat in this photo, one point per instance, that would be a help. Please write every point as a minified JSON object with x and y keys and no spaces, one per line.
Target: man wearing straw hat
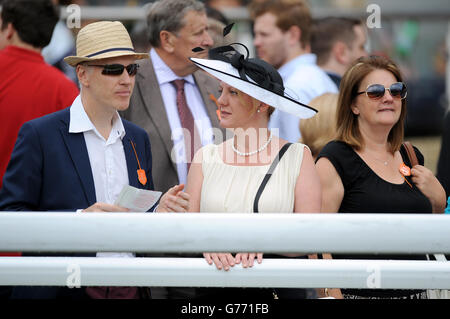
{"x":80,"y":158}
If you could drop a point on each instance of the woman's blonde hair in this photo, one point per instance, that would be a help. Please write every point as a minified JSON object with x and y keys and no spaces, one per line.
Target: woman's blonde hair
{"x":318,"y":130}
{"x":347,"y":122}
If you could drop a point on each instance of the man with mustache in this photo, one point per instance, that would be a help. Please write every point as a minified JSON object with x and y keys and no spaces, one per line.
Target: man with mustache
{"x":175,"y":27}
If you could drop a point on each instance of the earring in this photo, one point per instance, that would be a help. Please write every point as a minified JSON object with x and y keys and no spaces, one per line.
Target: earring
{"x":258,"y":110}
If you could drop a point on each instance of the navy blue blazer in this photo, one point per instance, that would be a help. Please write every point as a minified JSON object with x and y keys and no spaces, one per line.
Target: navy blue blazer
{"x":50,"y":170}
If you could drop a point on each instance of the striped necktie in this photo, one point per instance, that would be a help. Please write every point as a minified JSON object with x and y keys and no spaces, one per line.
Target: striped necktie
{"x":192,"y":140}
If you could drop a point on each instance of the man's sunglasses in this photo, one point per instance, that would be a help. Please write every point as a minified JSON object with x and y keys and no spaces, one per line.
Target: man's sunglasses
{"x":117,"y":69}
{"x":376,"y":91}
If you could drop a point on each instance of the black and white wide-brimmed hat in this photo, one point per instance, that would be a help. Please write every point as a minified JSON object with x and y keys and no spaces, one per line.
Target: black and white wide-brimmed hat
{"x":254,"y":77}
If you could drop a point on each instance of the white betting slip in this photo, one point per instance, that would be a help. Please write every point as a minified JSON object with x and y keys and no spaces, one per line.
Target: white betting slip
{"x":137,"y":200}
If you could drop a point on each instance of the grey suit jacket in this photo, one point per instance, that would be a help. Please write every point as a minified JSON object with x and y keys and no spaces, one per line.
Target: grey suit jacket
{"x":147,"y":111}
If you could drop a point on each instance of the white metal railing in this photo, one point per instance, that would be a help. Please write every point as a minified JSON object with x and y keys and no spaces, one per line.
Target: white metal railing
{"x":195,"y":272}
{"x":275,"y":233}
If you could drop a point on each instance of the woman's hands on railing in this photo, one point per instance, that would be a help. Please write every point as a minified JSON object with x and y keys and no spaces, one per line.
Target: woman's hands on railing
{"x":226,"y":260}
{"x":248,"y":259}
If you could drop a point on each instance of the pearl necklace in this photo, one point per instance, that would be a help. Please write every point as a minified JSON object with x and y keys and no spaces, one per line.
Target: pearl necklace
{"x":253,"y":152}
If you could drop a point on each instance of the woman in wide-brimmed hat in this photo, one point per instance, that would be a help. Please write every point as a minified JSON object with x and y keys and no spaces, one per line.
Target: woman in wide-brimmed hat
{"x":254,"y":171}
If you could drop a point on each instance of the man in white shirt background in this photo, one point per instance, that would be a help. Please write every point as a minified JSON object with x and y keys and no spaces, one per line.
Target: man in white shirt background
{"x":282,"y":38}
{"x":337,"y":43}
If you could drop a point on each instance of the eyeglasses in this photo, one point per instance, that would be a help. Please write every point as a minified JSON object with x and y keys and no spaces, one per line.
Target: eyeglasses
{"x":376,"y":91}
{"x":117,"y":69}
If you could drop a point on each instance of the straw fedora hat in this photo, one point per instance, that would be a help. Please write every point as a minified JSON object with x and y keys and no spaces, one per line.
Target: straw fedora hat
{"x":101,"y":40}
{"x":254,"y":77}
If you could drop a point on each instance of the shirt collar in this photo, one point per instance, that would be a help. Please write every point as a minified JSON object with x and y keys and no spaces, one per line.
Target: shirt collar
{"x":164,"y":73}
{"x":118,"y":126}
{"x":80,"y":122}
{"x":308,"y":58}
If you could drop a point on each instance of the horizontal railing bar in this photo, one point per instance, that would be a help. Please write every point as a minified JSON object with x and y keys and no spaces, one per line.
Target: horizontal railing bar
{"x":195,"y":272}
{"x":193,"y":232}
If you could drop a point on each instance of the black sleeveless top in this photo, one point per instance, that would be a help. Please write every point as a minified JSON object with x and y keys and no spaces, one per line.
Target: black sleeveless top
{"x":366,"y":192}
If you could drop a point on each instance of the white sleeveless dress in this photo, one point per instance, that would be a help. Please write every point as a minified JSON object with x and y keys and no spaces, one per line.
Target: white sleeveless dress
{"x":232,"y":189}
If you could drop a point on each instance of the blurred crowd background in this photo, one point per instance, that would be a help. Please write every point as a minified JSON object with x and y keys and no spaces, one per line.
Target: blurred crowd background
{"x":414,"y":33}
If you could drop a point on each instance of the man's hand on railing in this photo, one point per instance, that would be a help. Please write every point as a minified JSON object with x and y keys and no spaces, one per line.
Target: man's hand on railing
{"x":174,"y":200}
{"x":226,"y":260}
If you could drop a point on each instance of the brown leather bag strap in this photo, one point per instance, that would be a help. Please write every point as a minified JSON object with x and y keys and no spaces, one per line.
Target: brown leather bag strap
{"x":411,"y":153}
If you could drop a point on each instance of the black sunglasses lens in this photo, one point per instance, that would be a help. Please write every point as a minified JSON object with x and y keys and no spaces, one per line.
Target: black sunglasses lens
{"x":398,"y":90}
{"x":113,"y":69}
{"x":132,"y":69}
{"x":375,"y":91}
{"x":117,"y":69}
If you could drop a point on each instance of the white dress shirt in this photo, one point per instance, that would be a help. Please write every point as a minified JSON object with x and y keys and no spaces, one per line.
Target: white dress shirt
{"x":165,"y":76}
{"x":107,"y":158}
{"x":303,"y":80}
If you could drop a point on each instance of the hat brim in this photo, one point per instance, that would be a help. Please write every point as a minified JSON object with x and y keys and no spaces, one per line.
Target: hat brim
{"x":75,"y":60}
{"x":230,"y":75}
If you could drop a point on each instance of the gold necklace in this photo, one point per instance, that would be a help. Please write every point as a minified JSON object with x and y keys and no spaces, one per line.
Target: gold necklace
{"x":385,"y":162}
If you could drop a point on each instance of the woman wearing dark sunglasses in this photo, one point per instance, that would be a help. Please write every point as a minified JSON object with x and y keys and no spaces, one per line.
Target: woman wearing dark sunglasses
{"x":363,"y":170}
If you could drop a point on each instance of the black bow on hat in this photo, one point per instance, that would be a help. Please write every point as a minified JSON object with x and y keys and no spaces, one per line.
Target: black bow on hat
{"x":258,"y":70}
{"x":254,"y":77}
